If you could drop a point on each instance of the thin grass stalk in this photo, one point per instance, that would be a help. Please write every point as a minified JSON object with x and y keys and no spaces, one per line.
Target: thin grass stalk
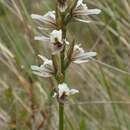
{"x":110,"y":96}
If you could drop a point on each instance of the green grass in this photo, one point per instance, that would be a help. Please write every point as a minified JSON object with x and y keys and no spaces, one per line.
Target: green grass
{"x":25,"y":100}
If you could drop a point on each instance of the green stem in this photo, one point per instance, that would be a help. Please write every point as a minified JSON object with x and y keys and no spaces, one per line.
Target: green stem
{"x":61,"y":116}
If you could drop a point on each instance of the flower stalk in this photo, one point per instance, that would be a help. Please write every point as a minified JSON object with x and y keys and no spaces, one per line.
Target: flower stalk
{"x":60,"y":21}
{"x":63,"y":53}
{"x":61,"y":116}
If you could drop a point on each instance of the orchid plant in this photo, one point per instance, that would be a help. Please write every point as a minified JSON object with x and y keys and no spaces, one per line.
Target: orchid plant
{"x":63,"y":52}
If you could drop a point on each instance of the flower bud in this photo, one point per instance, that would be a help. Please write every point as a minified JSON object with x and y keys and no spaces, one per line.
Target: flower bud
{"x":62,"y":4}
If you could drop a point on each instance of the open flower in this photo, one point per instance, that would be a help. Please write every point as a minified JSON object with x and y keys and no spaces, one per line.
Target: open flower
{"x":81,"y":9}
{"x":45,"y":70}
{"x":64,"y":91}
{"x":55,"y":38}
{"x":47,"y":21}
{"x":80,"y":56}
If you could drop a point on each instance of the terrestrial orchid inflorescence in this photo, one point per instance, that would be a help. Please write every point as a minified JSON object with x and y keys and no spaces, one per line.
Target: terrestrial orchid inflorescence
{"x":55,"y":22}
{"x":63,"y":52}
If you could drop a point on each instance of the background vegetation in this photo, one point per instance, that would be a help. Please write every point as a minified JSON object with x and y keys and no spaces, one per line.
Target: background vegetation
{"x":104,"y":84}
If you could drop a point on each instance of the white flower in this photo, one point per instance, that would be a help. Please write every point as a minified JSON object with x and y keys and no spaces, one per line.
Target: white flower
{"x":80,"y":56}
{"x":56,"y":36}
{"x":64,"y":90}
{"x":47,"y":21}
{"x":45,"y":70}
{"x":81,"y":9}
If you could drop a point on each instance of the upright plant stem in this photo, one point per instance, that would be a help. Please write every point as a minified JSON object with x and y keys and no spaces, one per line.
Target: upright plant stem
{"x":61,"y":116}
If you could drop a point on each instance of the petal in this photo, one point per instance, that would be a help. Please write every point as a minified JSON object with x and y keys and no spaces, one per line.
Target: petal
{"x":42,"y":38}
{"x":80,"y":61}
{"x":87,"y":12}
{"x":45,"y":75}
{"x":35,"y":68}
{"x":86,"y":55}
{"x":42,"y":57}
{"x":93,"y":11}
{"x":73,"y":91}
{"x":37,"y":17}
{"x":41,"y":69}
{"x":89,"y":54}
{"x":41,"y":28}
{"x":83,"y":57}
{"x":38,"y":69}
{"x":63,"y":88}
{"x":44,"y":18}
{"x":81,"y":20}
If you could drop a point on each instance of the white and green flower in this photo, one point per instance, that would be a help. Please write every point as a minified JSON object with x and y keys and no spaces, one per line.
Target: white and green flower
{"x":45,"y":70}
{"x":54,"y":37}
{"x":80,"y":56}
{"x":47,"y":21}
{"x":64,"y":91}
{"x":81,"y":10}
